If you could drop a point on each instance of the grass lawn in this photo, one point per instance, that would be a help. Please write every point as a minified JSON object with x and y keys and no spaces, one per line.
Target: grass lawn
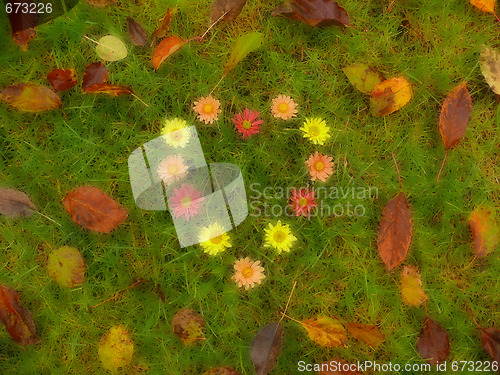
{"x":435,"y":45}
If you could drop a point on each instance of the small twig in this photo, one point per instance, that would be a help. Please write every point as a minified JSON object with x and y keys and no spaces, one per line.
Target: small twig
{"x":92,"y":40}
{"x":119,"y":293}
{"x":48,"y":218}
{"x":472,"y":316}
{"x":397,"y":169}
{"x":288,"y":302}
{"x":498,"y":19}
{"x":220,"y":80}
{"x":139,"y":99}
{"x":470,"y":264}
{"x":442,"y":166}
{"x":212,"y":25}
{"x":390,"y":6}
{"x":295,"y":320}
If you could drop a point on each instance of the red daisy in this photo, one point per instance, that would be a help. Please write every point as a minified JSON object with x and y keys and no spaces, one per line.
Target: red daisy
{"x":247,"y":124}
{"x":302,"y":201}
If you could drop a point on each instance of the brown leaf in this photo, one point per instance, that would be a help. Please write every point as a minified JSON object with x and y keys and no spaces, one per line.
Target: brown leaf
{"x":14,"y":203}
{"x":23,"y":37}
{"x":491,"y":342}
{"x":220,"y":371}
{"x":455,"y":115}
{"x":188,"y":325}
{"x":29,"y":97}
{"x":165,"y":49}
{"x":162,"y":30}
{"x":394,"y":235}
{"x":16,"y":319}
{"x":22,"y":25}
{"x":94,"y":73}
{"x":100,"y":3}
{"x":136,"y":32}
{"x":433,"y":343}
{"x":338,"y":366}
{"x":314,"y":12}
{"x":411,"y":287}
{"x":108,"y":88}
{"x":93,"y":209}
{"x":325,"y":331}
{"x":231,"y":9}
{"x":266,"y":347}
{"x":369,"y":334}
{"x":62,"y":79}
{"x":485,"y":231}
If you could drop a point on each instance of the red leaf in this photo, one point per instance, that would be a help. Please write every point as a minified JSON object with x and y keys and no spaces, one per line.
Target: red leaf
{"x":433,"y":343}
{"x":62,"y":79}
{"x":29,"y":97}
{"x":94,"y":73}
{"x":93,"y":209}
{"x":314,"y":12}
{"x":394,"y":235}
{"x":22,"y":25}
{"x":165,"y":49}
{"x":136,"y":32}
{"x":455,"y":115}
{"x":108,"y":88}
{"x":491,"y":342}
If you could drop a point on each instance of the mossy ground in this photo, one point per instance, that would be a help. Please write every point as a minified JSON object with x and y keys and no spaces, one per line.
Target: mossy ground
{"x":434,"y":44}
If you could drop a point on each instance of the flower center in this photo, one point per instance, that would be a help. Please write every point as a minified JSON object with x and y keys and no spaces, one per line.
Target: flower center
{"x":216,"y":240}
{"x":283,"y":107}
{"x":314,"y":130}
{"x":319,"y":166}
{"x":173,"y":169}
{"x":186,"y":201}
{"x":246,"y":124}
{"x":279,"y":236}
{"x":247,"y":272}
{"x":208,"y":109}
{"x":302,"y":202}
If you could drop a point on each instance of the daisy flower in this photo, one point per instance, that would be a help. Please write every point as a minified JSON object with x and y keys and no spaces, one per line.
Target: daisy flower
{"x":207,"y":109}
{"x":284,"y":107}
{"x":172,"y":169}
{"x":248,"y":273}
{"x":302,"y":201}
{"x":279,"y":236}
{"x":320,"y":166}
{"x":175,"y":133}
{"x":247,"y":124}
{"x":213,"y":239}
{"x":186,"y":201}
{"x":316,"y":130}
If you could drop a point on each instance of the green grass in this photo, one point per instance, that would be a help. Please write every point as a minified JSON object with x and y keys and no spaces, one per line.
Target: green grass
{"x":434,"y":44}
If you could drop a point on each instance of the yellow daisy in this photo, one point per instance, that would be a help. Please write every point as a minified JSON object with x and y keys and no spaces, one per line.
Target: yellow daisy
{"x":213,"y":239}
{"x":316,"y":130}
{"x":279,"y":236}
{"x":175,"y":133}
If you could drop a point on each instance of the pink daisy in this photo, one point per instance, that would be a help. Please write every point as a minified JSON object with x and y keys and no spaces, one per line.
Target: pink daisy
{"x":284,"y":107}
{"x":248,"y":273}
{"x":247,"y":124}
{"x":302,"y":201}
{"x":320,"y":166}
{"x":207,"y":109}
{"x":186,"y":201}
{"x":172,"y":169}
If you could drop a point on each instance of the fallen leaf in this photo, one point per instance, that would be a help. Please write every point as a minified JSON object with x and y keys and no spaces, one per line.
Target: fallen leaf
{"x":489,"y":61}
{"x":266,"y":347}
{"x":484,"y":5}
{"x":116,"y":348}
{"x":188,"y":325}
{"x":242,"y":47}
{"x":162,"y":30}
{"x":433,"y":343}
{"x":485,"y":231}
{"x":136,"y":32}
{"x":90,"y":208}
{"x":62,"y":79}
{"x":17,"y":320}
{"x":314,"y":12}
{"x":411,"y":287}
{"x":227,"y":9}
{"x":338,"y":366}
{"x":14,"y":203}
{"x":325,"y":331}
{"x":220,"y":371}
{"x":100,"y":3}
{"x":394,"y":235}
{"x":22,"y":25}
{"x":363,"y":77}
{"x":108,"y":88}
{"x":165,"y":49}
{"x":455,"y":115}
{"x":389,"y":96}
{"x":94,"y":73}
{"x":29,"y":97}
{"x":491,"y":342}
{"x":66,"y":266}
{"x":110,"y":48}
{"x":369,"y":334}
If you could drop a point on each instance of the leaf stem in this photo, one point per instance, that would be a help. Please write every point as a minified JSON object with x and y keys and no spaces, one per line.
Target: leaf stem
{"x":288,"y":302}
{"x":45,"y":216}
{"x":212,"y":25}
{"x":442,"y":166}
{"x":119,"y":293}
{"x":139,"y":99}
{"x":220,"y":80}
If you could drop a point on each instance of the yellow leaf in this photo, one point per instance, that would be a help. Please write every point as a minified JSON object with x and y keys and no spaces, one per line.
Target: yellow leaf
{"x":484,"y":5}
{"x":389,"y":96}
{"x":325,"y":331}
{"x":110,"y":48}
{"x":411,"y":287}
{"x":370,"y":334}
{"x":485,"y":231}
{"x":116,"y":348}
{"x":188,"y":325}
{"x":66,"y":266}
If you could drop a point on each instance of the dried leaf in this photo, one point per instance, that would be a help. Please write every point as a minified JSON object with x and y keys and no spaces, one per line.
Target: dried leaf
{"x":455,"y":115}
{"x":220,"y":371}
{"x":162,"y":30}
{"x":17,"y":320}
{"x":136,"y":32}
{"x":94,"y":73}
{"x":394,"y":235}
{"x":100,"y":3}
{"x":110,"y":48}
{"x":62,"y":79}
{"x":485,"y":231}
{"x":242,"y":47}
{"x":66,"y":266}
{"x":14,"y":203}
{"x":93,"y":209}
{"x":188,"y":325}
{"x":411,"y":287}
{"x":491,"y":342}
{"x":338,"y":366}
{"x":116,"y":348}
{"x":266,"y":347}
{"x":484,"y":5}
{"x":29,"y":97}
{"x":23,"y":26}
{"x":363,"y":77}
{"x":489,"y":61}
{"x":433,"y":343}
{"x":389,"y":96}
{"x":108,"y":88}
{"x":165,"y":49}
{"x":369,"y":334}
{"x":314,"y":12}
{"x":220,"y":7}
{"x":325,"y":331}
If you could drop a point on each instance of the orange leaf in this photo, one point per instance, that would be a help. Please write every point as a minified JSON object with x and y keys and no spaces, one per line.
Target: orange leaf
{"x":485,"y":231}
{"x":108,"y":88}
{"x":30,"y":97}
{"x":23,"y":26}
{"x":93,"y":209}
{"x":389,"y":96}
{"x":369,"y":334}
{"x":484,"y":5}
{"x":455,"y":115}
{"x":325,"y":331}
{"x":411,"y":287}
{"x":62,"y":79}
{"x":165,"y":49}
{"x":188,"y":325}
